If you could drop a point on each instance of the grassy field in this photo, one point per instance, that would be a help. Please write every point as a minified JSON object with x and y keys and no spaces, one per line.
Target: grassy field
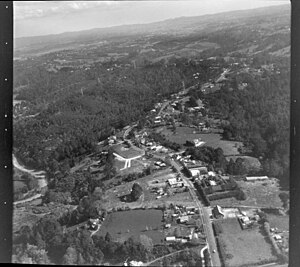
{"x":213,"y":139}
{"x":279,"y":221}
{"x":124,"y":224}
{"x":260,"y":194}
{"x":245,"y":246}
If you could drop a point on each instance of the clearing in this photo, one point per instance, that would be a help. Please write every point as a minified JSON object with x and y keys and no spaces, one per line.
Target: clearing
{"x":263,"y":194}
{"x":213,"y":139}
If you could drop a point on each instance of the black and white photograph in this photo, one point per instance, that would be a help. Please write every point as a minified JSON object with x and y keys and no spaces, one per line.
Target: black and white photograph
{"x":151,"y":133}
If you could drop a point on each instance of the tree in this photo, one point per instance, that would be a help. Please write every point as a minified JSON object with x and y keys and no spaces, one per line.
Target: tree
{"x":146,"y":242}
{"x":108,"y":237}
{"x":136,"y":191}
{"x":70,"y":257}
{"x":47,"y":227}
{"x":177,"y":232}
{"x":31,"y":254}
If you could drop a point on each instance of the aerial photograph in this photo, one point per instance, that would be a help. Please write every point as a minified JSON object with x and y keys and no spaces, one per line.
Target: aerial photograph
{"x":151,"y":133}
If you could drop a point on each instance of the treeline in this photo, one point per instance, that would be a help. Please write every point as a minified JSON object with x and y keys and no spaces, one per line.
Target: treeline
{"x":47,"y":243}
{"x":216,"y":161}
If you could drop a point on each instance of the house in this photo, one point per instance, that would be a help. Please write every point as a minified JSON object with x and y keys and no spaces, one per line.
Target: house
{"x":168,"y":225}
{"x":211,"y":173}
{"x":217,"y":212}
{"x":173,"y":182}
{"x":136,"y":263}
{"x":184,"y":219}
{"x":277,"y":237}
{"x":245,"y":222}
{"x":170,"y":238}
{"x":212,"y":183}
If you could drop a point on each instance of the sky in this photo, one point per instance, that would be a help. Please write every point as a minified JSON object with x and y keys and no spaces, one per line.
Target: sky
{"x":33,"y":18}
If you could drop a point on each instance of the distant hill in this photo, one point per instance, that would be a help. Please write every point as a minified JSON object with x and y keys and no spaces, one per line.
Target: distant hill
{"x":179,"y":27}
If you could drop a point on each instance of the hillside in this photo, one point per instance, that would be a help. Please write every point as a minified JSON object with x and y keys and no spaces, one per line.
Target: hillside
{"x":67,"y":101}
{"x":183,"y":26}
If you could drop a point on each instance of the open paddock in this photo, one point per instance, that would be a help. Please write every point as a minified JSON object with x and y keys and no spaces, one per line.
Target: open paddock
{"x":124,"y":224}
{"x":244,"y":247}
{"x":263,"y":194}
{"x":213,"y":139}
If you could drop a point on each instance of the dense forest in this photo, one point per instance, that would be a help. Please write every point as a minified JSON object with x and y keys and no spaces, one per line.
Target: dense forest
{"x":72,"y":125}
{"x":259,"y":116}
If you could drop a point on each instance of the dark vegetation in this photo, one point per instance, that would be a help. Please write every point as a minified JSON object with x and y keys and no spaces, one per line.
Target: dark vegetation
{"x":71,"y":122}
{"x":259,"y":116}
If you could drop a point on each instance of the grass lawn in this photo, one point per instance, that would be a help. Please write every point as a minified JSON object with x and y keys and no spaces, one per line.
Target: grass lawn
{"x":245,"y":246}
{"x":213,"y":139}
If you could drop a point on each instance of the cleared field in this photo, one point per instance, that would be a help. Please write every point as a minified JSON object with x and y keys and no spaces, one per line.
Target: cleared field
{"x":124,"y":224}
{"x":281,"y":222}
{"x":213,"y":139}
{"x":260,"y":193}
{"x":244,"y":246}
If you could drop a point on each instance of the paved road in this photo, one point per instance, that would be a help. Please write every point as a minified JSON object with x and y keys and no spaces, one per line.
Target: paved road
{"x":208,"y":231}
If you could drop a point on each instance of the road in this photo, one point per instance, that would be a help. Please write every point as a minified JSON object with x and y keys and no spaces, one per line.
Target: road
{"x":164,"y":104}
{"x":39,"y":175}
{"x":27,"y":199}
{"x":207,"y":226}
{"x":160,"y":258}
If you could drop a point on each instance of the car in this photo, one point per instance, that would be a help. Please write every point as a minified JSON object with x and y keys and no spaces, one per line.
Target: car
{"x":214,"y":251}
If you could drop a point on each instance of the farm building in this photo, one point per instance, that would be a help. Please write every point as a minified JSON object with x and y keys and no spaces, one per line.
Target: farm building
{"x":173,"y":182}
{"x":170,"y":238}
{"x":256,"y":178}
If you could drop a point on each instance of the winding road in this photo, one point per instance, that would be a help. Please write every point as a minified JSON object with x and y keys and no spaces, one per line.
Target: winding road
{"x":39,"y":175}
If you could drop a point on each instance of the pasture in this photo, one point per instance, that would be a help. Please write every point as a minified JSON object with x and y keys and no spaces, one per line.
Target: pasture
{"x":244,"y":247}
{"x":124,"y":224}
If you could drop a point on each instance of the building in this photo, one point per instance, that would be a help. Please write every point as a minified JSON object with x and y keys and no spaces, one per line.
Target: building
{"x":173,"y":182}
{"x":170,"y":238}
{"x":256,"y":178}
{"x":184,"y":219}
{"x":212,"y":183}
{"x":245,"y":222}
